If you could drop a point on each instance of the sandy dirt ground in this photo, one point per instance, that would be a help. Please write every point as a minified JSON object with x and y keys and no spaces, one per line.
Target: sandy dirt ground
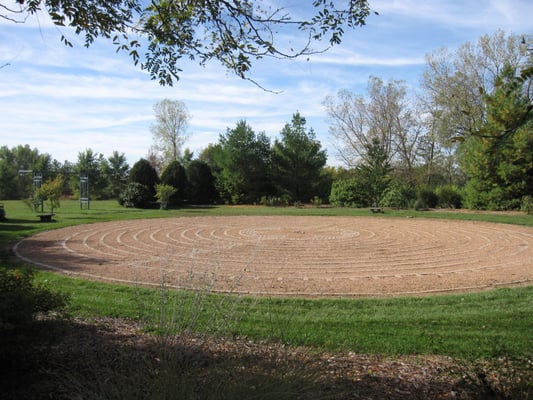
{"x":292,"y":256}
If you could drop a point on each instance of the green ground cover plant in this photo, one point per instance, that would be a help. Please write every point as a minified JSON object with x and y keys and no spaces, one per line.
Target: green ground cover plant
{"x":21,"y":299}
{"x":487,"y":332}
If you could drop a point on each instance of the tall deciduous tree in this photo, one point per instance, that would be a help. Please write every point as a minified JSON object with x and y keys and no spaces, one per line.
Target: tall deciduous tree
{"x":297,"y":160}
{"x":9,"y":182}
{"x":244,"y":161}
{"x":233,"y":32}
{"x":15,"y":184}
{"x":383,"y":115}
{"x":456,"y":82}
{"x":170,"y":129}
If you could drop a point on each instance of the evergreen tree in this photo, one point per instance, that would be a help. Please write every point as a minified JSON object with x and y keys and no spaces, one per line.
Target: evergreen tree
{"x":201,"y":189}
{"x":498,"y":155}
{"x":244,"y":163}
{"x":297,"y":161}
{"x":142,"y":172}
{"x":174,"y":175}
{"x":89,"y":163}
{"x":115,"y":170}
{"x":374,"y":171}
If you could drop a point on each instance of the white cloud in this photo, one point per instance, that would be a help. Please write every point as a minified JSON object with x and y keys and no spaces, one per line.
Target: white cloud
{"x":64,"y":100}
{"x":516,"y":14}
{"x":492,"y":14}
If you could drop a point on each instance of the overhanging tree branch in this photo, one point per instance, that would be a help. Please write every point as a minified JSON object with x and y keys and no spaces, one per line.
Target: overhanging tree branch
{"x":232,"y":32}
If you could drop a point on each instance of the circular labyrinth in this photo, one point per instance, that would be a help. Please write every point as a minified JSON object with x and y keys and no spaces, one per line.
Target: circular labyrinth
{"x":292,"y":256}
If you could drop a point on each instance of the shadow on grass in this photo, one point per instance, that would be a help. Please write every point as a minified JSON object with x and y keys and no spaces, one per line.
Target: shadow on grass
{"x":11,"y":225}
{"x":112,"y":359}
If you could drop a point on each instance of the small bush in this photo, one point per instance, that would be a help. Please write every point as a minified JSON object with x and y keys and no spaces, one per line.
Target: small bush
{"x":135,"y":195}
{"x":276,"y":201}
{"x":398,"y":196}
{"x":449,"y":196}
{"x":527,"y":204}
{"x":419,"y":205}
{"x":316,"y":201}
{"x":163,"y":193}
{"x":426,"y":198}
{"x":475,"y":195}
{"x":21,"y":299}
{"x":349,"y":193}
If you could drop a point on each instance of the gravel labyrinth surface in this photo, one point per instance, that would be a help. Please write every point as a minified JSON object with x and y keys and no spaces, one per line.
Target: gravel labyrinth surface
{"x":292,"y":256}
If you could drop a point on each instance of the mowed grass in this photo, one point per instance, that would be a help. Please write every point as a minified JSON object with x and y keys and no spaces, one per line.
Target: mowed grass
{"x":471,"y":326}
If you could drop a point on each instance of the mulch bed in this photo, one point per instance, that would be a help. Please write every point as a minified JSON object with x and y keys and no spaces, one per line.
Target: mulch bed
{"x":71,"y":358}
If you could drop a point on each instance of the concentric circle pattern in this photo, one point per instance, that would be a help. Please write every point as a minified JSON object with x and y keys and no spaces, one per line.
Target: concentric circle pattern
{"x":296,"y":256}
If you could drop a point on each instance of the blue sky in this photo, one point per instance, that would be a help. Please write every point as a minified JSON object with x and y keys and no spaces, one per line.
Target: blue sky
{"x":64,"y":100}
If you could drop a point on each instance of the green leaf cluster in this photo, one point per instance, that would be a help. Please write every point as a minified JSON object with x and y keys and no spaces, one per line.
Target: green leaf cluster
{"x":50,"y":192}
{"x":244,"y":162}
{"x":163,"y":193}
{"x":21,"y":299}
{"x":234,"y":32}
{"x":297,"y":161}
{"x":498,"y":156}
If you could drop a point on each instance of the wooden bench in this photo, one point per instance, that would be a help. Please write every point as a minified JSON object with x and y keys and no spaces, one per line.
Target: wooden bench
{"x":376,"y":209}
{"x":47,"y":217}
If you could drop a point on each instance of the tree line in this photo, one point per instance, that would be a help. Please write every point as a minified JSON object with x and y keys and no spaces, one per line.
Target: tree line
{"x":466,"y":140}
{"x":243,"y":167}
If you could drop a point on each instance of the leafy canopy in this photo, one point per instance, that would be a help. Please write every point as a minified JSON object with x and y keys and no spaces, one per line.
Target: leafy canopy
{"x":297,"y":160}
{"x":498,"y":156}
{"x":243,"y":158}
{"x":233,"y":32}
{"x":50,"y":192}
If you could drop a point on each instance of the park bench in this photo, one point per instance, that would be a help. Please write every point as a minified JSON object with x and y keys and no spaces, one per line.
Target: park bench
{"x":46,"y":217}
{"x":376,"y":209}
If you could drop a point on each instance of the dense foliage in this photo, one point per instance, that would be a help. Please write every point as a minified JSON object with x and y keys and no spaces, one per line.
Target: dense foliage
{"x":145,"y":174}
{"x":467,"y":142}
{"x":499,"y":156}
{"x":297,"y":160}
{"x":21,"y":299}
{"x":244,"y":160}
{"x":174,"y":175}
{"x":349,"y":193}
{"x":201,"y":183}
{"x":135,"y":195}
{"x":16,"y":170}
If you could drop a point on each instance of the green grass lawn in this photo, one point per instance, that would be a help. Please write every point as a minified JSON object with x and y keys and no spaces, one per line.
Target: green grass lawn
{"x":487,"y":324}
{"x":487,"y":334}
{"x":470,"y":326}
{"x":478,"y":325}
